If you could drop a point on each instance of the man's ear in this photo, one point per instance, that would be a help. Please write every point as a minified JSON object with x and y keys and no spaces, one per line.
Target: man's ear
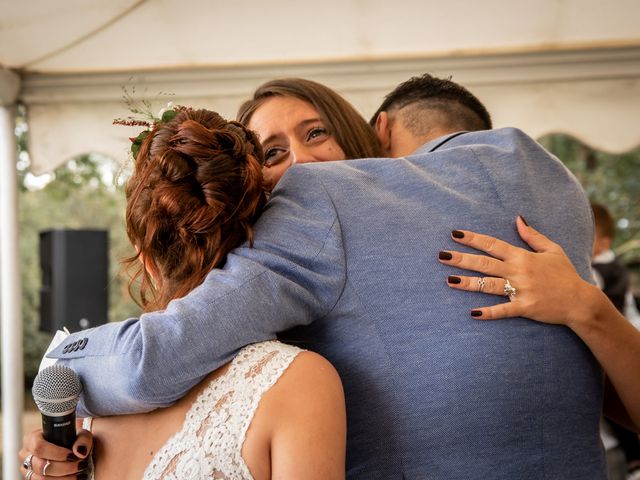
{"x":383,"y":131}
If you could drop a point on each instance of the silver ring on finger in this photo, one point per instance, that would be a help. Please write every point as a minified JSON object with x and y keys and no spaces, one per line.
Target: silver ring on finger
{"x":509,"y":290}
{"x":481,"y":284}
{"x":27,"y":462}
{"x":28,"y":475}
{"x":44,"y":470}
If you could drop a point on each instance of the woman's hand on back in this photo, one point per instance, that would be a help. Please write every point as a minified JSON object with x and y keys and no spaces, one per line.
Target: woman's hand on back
{"x":545,"y":280}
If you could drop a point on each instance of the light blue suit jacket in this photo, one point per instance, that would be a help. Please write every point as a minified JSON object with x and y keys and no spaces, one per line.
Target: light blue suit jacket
{"x":346,"y":253}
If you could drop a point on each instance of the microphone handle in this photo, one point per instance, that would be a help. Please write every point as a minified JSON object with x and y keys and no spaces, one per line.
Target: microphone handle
{"x":61,"y":430}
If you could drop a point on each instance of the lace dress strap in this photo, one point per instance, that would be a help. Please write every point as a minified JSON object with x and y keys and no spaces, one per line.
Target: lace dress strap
{"x":209,"y":445}
{"x":87,"y":423}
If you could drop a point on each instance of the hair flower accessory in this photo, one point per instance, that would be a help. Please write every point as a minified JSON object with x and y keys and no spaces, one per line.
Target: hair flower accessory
{"x":143,"y":117}
{"x":167,"y":113}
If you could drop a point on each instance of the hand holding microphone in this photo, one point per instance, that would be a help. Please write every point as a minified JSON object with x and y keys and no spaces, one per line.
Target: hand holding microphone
{"x":56,"y":391}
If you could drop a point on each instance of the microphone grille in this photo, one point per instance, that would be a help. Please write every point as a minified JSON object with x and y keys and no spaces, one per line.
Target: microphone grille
{"x":56,"y":390}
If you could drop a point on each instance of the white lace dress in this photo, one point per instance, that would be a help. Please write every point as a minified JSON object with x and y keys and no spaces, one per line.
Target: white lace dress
{"x":209,"y":444}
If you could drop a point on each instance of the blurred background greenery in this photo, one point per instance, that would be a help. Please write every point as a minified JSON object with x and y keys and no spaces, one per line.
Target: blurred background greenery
{"x":612,"y":180}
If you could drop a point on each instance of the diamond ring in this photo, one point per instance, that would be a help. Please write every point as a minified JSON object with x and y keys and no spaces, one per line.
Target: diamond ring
{"x":509,"y":291}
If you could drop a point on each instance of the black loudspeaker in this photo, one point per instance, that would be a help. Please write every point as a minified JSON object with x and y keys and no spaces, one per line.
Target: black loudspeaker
{"x":75,"y":266}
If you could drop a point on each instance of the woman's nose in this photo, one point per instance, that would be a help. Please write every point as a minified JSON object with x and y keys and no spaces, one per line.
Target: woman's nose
{"x":302,"y":154}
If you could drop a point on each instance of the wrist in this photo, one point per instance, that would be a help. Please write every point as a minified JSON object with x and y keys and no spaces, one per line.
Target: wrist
{"x":593,"y":309}
{"x":590,"y":306}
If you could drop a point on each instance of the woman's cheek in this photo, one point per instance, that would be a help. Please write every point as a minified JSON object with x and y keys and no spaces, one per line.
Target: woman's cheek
{"x":272,"y":175}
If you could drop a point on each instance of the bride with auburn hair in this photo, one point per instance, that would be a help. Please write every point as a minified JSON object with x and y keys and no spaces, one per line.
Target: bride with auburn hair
{"x":274,"y":411}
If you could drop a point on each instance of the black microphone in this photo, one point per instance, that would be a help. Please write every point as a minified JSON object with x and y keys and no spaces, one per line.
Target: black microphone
{"x":56,"y":391}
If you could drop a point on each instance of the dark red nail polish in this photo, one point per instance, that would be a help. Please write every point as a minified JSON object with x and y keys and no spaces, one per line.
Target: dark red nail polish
{"x":71,"y":457}
{"x":82,"y":450}
{"x":445,"y":256}
{"x":523,"y":220}
{"x":453,"y":279}
{"x":476,"y":313}
{"x":457,"y":234}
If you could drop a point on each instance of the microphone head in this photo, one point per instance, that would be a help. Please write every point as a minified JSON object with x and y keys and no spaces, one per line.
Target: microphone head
{"x":56,"y":390}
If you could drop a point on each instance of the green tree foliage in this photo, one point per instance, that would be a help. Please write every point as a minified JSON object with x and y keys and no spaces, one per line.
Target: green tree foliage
{"x":612,"y":180}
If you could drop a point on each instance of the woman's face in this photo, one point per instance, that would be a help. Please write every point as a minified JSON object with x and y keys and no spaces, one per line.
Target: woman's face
{"x":291,"y":131}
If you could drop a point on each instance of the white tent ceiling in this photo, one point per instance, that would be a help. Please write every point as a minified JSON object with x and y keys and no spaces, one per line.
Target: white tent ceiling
{"x":542,"y":65}
{"x":90,"y":35}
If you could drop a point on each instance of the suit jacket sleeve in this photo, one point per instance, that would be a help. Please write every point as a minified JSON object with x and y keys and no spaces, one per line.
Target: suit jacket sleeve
{"x":292,"y":276}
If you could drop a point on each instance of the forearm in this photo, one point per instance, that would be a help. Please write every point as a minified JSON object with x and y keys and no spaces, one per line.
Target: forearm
{"x":139,"y":365}
{"x":616,"y":345}
{"x":129,"y":371}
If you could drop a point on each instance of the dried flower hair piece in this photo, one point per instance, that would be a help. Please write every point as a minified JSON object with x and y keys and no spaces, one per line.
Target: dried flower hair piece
{"x":142,"y":109}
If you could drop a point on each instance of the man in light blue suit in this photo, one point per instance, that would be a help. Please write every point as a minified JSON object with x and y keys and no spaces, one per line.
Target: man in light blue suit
{"x":344,"y":262}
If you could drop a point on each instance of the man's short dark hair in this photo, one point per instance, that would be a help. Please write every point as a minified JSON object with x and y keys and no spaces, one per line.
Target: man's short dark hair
{"x":455,"y":102}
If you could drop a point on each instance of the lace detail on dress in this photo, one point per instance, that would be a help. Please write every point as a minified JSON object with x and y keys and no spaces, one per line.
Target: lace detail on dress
{"x":209,"y":445}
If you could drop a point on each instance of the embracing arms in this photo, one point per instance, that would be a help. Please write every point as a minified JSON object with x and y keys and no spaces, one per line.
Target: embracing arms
{"x":550,"y":291}
{"x":294,"y":275}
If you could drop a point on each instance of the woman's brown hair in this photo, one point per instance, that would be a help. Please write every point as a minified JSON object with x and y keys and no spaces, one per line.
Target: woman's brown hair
{"x":194,"y":194}
{"x":354,"y":135}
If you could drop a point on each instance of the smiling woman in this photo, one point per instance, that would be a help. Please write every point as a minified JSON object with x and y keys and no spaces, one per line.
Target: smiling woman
{"x":291,"y":131}
{"x":299,"y":121}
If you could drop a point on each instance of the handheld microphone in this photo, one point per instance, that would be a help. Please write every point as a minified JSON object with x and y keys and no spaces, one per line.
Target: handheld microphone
{"x":56,"y":391}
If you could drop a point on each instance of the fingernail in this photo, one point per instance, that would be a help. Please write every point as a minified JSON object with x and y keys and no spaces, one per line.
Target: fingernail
{"x":476,"y":313}
{"x":83,"y":465}
{"x":82,"y":450}
{"x":457,"y":234}
{"x":71,"y":457}
{"x":82,"y":476}
{"x":523,"y":220}
{"x":453,"y":279}
{"x":445,"y":256}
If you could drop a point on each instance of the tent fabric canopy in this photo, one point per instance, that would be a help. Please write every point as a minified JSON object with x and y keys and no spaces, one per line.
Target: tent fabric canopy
{"x":101,"y":35}
{"x":554,"y":65}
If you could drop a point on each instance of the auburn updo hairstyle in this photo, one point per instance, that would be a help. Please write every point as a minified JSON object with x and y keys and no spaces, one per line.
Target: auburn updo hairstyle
{"x":194,"y":195}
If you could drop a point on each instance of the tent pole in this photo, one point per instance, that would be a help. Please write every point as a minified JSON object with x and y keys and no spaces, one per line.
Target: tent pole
{"x":10,"y":285}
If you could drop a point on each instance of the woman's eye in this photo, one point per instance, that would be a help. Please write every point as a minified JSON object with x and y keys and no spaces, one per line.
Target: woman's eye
{"x":316,"y":132}
{"x":273,"y":155}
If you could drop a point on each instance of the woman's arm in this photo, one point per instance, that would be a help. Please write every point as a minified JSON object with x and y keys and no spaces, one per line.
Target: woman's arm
{"x":549,"y":290}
